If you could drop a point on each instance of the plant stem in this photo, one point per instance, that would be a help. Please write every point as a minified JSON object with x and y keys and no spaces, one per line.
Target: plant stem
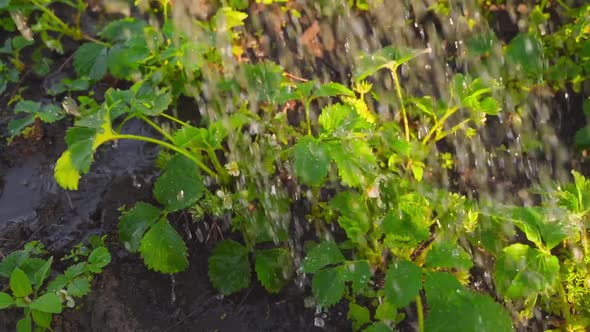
{"x":170,"y":117}
{"x":220,"y":169}
{"x":169,"y":146}
{"x":438,"y":124}
{"x":156,"y":127}
{"x":306,"y":104}
{"x":398,"y":89}
{"x":420,"y":309}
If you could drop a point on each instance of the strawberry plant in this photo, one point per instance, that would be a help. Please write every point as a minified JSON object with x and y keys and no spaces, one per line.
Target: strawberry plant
{"x":389,"y":239}
{"x":27,"y":273}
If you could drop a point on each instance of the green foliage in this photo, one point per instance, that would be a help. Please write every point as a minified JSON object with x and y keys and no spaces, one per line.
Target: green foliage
{"x":273,"y":268}
{"x":403,"y":282}
{"x":180,"y":186}
{"x":229,"y":267}
{"x":371,"y":160}
{"x":27,"y":274}
{"x":162,"y":249}
{"x":454,"y":308}
{"x":48,"y":113}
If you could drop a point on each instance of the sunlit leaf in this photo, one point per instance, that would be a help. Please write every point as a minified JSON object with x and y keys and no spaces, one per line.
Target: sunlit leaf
{"x":539,"y":227}
{"x":522,"y":270}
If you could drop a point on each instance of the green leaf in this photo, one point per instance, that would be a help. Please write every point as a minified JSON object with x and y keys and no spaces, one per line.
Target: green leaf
{"x":332,"y":89}
{"x":5,"y":300}
{"x":311,"y":162}
{"x":48,"y":302}
{"x":386,"y":311}
{"x":355,"y":160}
{"x":180,"y":186}
{"x":57,"y":284}
{"x":341,"y":120}
{"x":359,"y":315}
{"x":274,"y":268}
{"x":90,"y":60}
{"x":323,"y":254}
{"x":521,"y":271}
{"x":42,"y":319}
{"x":98,"y":258}
{"x":445,"y":254}
{"x":264,"y":80}
{"x":12,"y":261}
{"x":75,"y":270}
{"x":229,"y":267}
{"x":190,"y":137}
{"x":454,"y":308}
{"x":20,"y":284}
{"x":526,"y":53}
{"x":163,"y":250}
{"x":403,"y":282}
{"x":149,"y":100}
{"x":81,"y":146}
{"x":378,"y":327}
{"x":539,"y":227}
{"x":481,"y":44}
{"x":123,"y":29}
{"x":16,"y":126}
{"x":356,"y":229}
{"x":47,"y":113}
{"x":79,"y":286}
{"x":387,"y":57}
{"x":24,"y":325}
{"x":358,"y":273}
{"x":124,"y":60}
{"x":228,"y":18}
{"x":327,"y":287}
{"x":27,"y":106}
{"x":135,"y":222}
{"x":42,"y":273}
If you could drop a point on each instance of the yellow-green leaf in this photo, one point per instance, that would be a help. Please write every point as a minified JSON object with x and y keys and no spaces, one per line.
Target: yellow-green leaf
{"x":65,"y":174}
